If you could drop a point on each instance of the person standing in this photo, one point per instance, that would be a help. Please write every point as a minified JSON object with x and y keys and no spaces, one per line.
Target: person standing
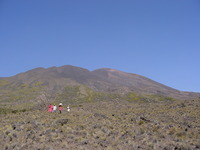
{"x":68,"y":108}
{"x":60,"y":108}
{"x":54,"y":108}
{"x":50,"y":108}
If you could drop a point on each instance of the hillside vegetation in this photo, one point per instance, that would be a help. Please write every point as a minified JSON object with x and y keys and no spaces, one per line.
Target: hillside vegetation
{"x":55,"y":83}
{"x":110,"y":110}
{"x":108,"y":125}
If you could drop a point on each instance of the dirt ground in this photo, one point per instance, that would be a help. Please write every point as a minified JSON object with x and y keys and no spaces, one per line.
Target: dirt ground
{"x":105,"y":126}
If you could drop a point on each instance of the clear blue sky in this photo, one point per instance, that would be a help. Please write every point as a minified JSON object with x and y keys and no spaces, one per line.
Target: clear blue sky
{"x":159,"y":39}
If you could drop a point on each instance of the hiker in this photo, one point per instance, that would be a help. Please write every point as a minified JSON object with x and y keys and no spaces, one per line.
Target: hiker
{"x":50,"y":108}
{"x":54,"y":108}
{"x":60,"y":108}
{"x":68,"y":109}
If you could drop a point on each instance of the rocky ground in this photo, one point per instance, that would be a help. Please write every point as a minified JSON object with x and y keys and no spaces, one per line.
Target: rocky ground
{"x":110,"y":125}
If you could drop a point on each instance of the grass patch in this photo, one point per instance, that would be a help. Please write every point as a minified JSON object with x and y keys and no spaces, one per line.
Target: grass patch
{"x":12,"y":111}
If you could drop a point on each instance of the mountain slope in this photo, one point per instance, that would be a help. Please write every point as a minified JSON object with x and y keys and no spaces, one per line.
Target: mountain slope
{"x":58,"y":82}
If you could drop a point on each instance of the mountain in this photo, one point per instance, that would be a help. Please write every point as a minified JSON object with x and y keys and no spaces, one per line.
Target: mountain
{"x":110,"y":109}
{"x":74,"y":84}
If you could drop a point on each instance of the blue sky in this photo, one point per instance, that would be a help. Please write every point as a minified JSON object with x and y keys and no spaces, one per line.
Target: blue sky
{"x":159,"y":39}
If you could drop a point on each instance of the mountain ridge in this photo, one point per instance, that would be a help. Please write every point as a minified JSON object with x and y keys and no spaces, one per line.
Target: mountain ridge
{"x":81,"y":82}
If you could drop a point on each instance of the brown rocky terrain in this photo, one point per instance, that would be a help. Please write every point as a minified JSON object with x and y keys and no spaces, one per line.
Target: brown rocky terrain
{"x":110,"y":110}
{"x":108,"y":125}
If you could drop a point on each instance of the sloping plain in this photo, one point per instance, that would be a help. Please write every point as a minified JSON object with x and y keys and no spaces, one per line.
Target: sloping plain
{"x":105,"y":125}
{"x":110,"y":110}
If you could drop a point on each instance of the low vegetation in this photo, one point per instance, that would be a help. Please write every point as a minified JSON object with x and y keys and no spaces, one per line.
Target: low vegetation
{"x":109,"y":125}
{"x":99,"y":119}
{"x":19,"y":94}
